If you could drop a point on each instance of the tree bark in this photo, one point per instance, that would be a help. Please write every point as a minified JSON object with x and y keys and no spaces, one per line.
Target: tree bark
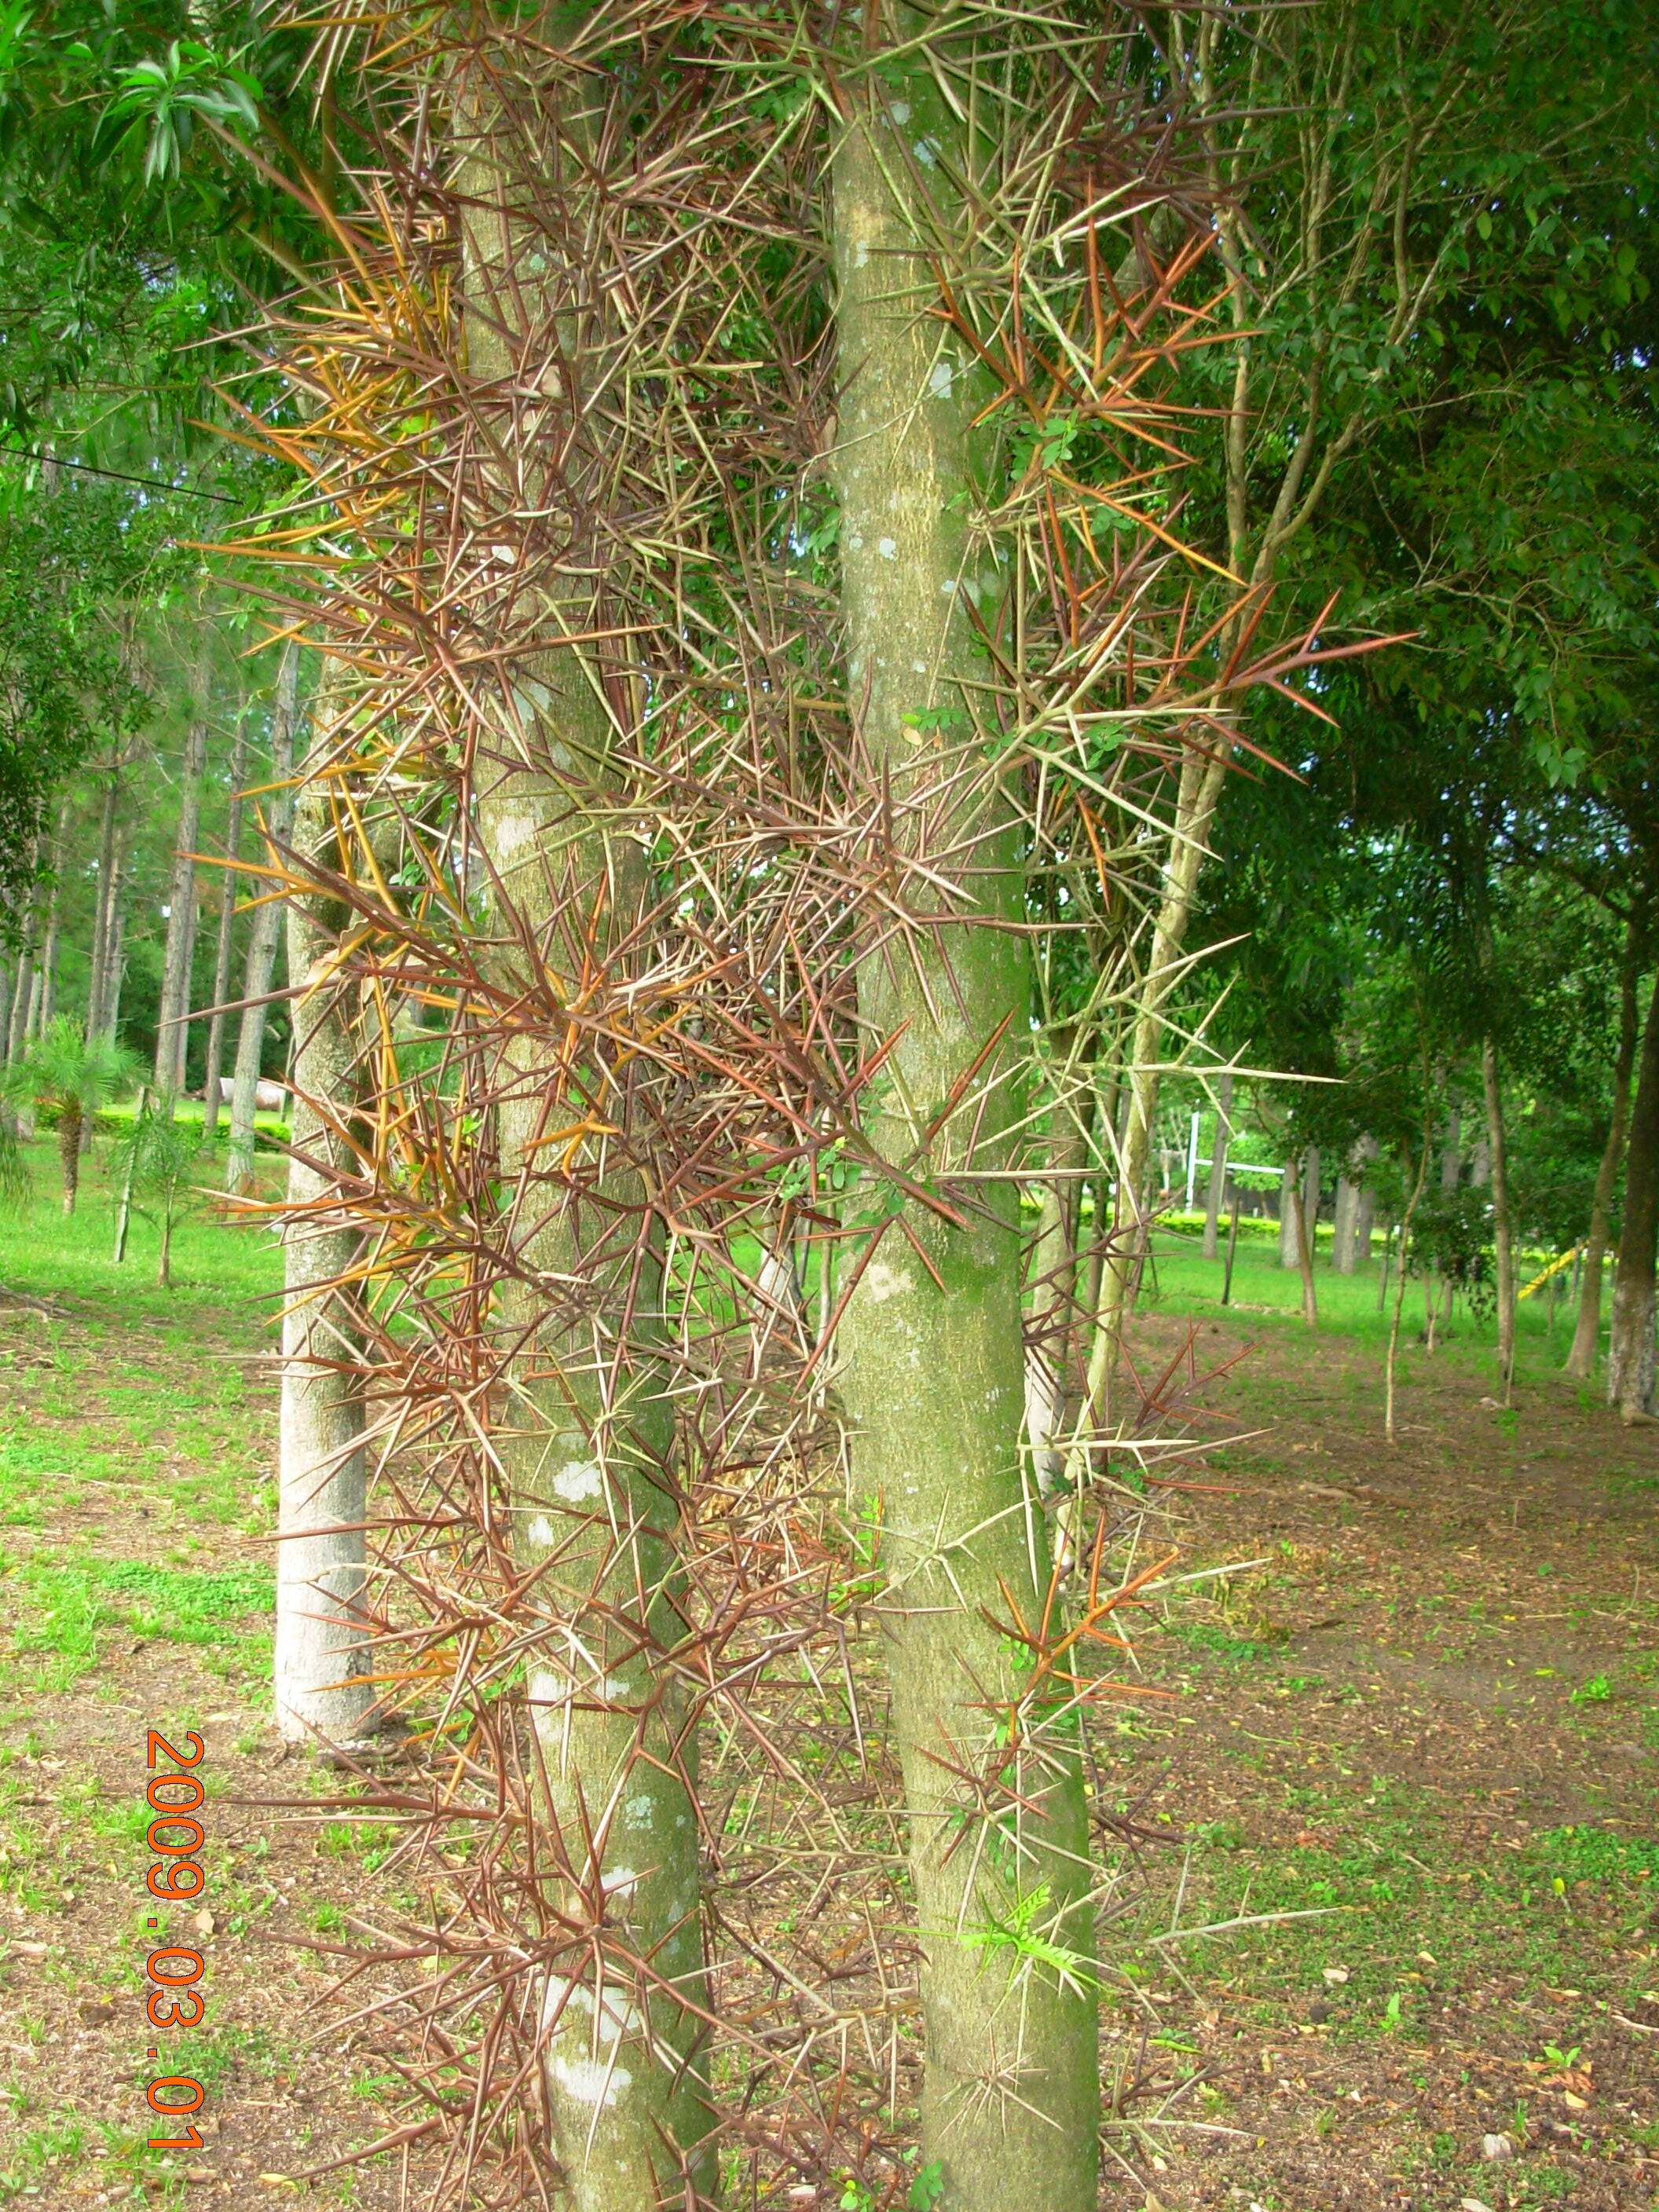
{"x":215,"y":1041}
{"x":1302,"y":1209}
{"x":103,"y":905}
{"x":1364,"y":1219}
{"x":1502,"y":1238}
{"x":587,"y":1448}
{"x":1342,"y":1226}
{"x":1389,"y":1427}
{"x":41,"y":1020}
{"x":68,"y":1151}
{"x":932,"y":1378}
{"x":1587,"y":1334}
{"x":1290,"y":1249}
{"x":115,"y":965}
{"x":1351,"y":1239}
{"x":1217,"y":1192}
{"x":1452,"y":1160}
{"x":1631,"y":1349}
{"x":172,"y":1023}
{"x":320,"y":1553}
{"x":265,"y":934}
{"x":22,"y":999}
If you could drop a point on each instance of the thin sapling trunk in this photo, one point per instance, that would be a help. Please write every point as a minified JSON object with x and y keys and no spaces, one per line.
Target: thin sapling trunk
{"x":1588,"y":1273}
{"x":1502,"y":1238}
{"x":216,"y":1040}
{"x":172,"y":1027}
{"x":263,"y":937}
{"x":1631,"y":1350}
{"x":1215,"y":1196}
{"x":69,"y":1150}
{"x":1402,"y":1276}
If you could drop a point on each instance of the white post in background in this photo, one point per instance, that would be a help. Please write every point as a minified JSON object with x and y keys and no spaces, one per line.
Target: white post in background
{"x":1191,"y":1163}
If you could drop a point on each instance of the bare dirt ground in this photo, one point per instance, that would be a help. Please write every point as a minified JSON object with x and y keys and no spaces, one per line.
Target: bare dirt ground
{"x":130,"y":1604}
{"x":1431,"y":1719}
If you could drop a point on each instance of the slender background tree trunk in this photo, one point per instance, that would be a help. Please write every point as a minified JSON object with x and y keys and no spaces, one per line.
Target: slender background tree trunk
{"x":1452,"y":1160}
{"x":1631,"y":1352}
{"x":1345,"y":1219}
{"x":264,"y":936}
{"x":227,"y":889}
{"x":1217,"y":1192}
{"x":1502,"y":1236}
{"x":1390,"y":1427}
{"x":1586,"y":1333}
{"x":115,"y":959}
{"x":103,"y":907}
{"x":1365,"y":1217}
{"x":172,"y":1026}
{"x":1054,"y":1285}
{"x":49,"y":945}
{"x":1290,"y":1249}
{"x":1302,"y":1218}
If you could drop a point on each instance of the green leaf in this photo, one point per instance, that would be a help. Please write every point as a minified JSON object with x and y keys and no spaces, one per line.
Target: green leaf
{"x":927,"y":2187}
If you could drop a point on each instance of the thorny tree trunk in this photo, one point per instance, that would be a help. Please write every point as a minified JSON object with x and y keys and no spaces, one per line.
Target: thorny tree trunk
{"x":320,"y":1549}
{"x":264,"y":935}
{"x":1631,"y":1349}
{"x":1502,"y":1237}
{"x":587,"y":1448}
{"x":1587,"y":1334}
{"x":215,"y":1043}
{"x":933,"y":1376}
{"x":172,"y":1031}
{"x":1224,"y":1131}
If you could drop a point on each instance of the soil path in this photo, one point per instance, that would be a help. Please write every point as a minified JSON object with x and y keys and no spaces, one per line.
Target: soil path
{"x":1429,"y":1718}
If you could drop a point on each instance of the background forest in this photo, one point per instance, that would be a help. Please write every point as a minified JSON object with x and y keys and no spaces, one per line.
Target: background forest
{"x":749,"y":754}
